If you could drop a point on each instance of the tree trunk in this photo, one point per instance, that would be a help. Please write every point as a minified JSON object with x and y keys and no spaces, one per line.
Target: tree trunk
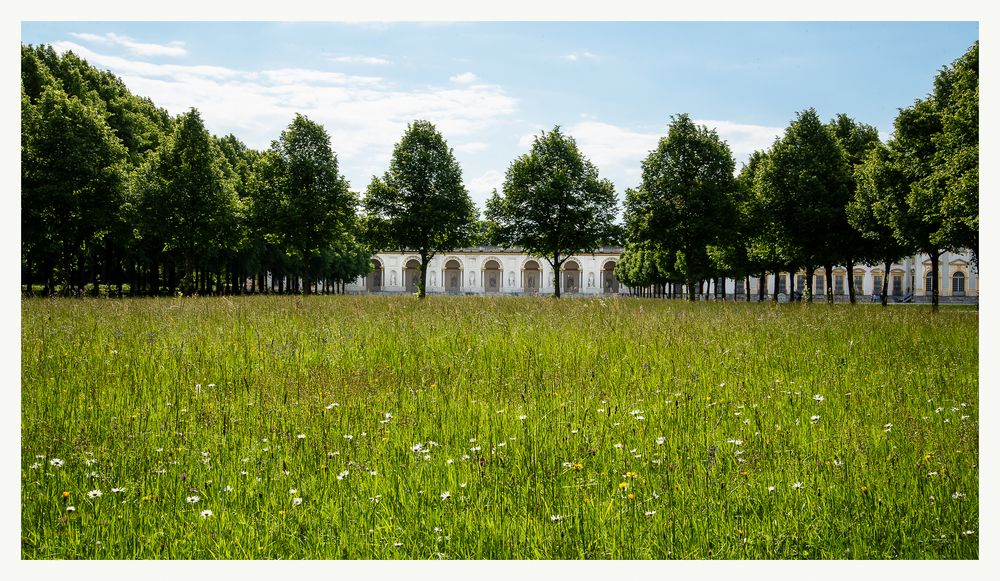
{"x":746,"y":288}
{"x":935,"y":254}
{"x":556,"y":264}
{"x":828,"y":269}
{"x":761,"y":286}
{"x":774,"y":289}
{"x":422,"y":282}
{"x":850,"y":281}
{"x":885,"y":283}
{"x":692,"y":290}
{"x":810,"y":269}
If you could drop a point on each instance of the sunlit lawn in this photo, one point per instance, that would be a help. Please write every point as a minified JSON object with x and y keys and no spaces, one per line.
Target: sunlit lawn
{"x":461,"y":428}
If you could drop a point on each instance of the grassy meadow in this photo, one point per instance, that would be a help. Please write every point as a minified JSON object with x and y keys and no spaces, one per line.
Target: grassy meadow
{"x":463,"y":428}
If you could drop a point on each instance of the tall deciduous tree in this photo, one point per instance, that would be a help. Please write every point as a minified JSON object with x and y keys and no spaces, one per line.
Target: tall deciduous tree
{"x":805,"y":187}
{"x":554,"y":203}
{"x":880,"y":196}
{"x":319,"y":203}
{"x":72,"y":184}
{"x":420,"y":204}
{"x":688,"y":180}
{"x":856,"y":139}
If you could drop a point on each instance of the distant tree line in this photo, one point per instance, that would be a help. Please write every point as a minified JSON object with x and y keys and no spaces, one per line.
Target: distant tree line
{"x":822,"y":195}
{"x":117,"y":194}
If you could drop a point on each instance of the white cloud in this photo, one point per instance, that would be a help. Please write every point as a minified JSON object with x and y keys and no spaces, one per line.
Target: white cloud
{"x":364,"y":115}
{"x":743,"y":138}
{"x":464,"y":78}
{"x":360,"y":60}
{"x":583,"y":55}
{"x":143,"y":49}
{"x":482,"y":187}
{"x":472,"y":147}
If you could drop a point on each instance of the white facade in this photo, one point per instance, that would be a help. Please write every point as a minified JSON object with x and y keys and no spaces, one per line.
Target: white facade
{"x":497,"y":271}
{"x":492,"y":271}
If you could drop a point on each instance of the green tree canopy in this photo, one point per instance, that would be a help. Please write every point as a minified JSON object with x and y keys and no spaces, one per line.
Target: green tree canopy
{"x":420,"y":203}
{"x":554,"y":204}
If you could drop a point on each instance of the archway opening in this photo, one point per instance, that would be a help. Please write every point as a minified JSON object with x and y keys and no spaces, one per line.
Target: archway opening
{"x":492,"y":276}
{"x":373,"y":282}
{"x":571,"y":277}
{"x":411,"y":274}
{"x":452,"y":276}
{"x":609,"y":282}
{"x":532,"y":277}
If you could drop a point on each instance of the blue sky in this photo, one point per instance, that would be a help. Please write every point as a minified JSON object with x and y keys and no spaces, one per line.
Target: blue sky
{"x":491,"y":86}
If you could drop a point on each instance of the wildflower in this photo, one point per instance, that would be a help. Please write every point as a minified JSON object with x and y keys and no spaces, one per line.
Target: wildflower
{"x":192,"y":499}
{"x":574,"y":431}
{"x":342,"y":475}
{"x":623,"y":485}
{"x":631,"y":474}
{"x":65,"y":494}
{"x":475,"y":448}
{"x":567,"y":464}
{"x":450,"y":461}
{"x":888,"y":427}
{"x":228,"y":488}
{"x":56,"y":462}
{"x":932,"y":473}
{"x":660,"y":440}
{"x":578,"y":467}
{"x":293,"y":491}
{"x":797,"y":485}
{"x":36,"y":466}
{"x":619,"y":445}
{"x":630,"y":496}
{"x":650,"y":512}
{"x":938,"y":410}
{"x":864,"y":489}
{"x":301,"y":436}
{"x":397,"y":544}
{"x":375,"y":498}
{"x":500,"y":411}
{"x":957,"y":495}
{"x":332,"y":405}
{"x":94,"y":494}
{"x":463,"y":485}
{"x":71,"y":508}
{"x":243,"y":472}
{"x":116,"y":490}
{"x":600,"y":410}
{"x":522,"y":417}
{"x":445,"y":495}
{"x":372,"y":473}
{"x":814,"y":419}
{"x":838,"y":462}
{"x":348,"y":437}
{"x":206,"y":513}
{"x":296,"y":501}
{"x":465,"y":456}
{"x":556,"y":517}
{"x":418,"y":447}
{"x":818,"y":397}
{"x":771,"y":488}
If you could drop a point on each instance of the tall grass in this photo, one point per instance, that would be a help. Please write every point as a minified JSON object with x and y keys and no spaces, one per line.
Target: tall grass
{"x":377,"y":427}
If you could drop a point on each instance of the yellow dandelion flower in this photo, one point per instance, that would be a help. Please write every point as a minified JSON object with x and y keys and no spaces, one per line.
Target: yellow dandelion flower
{"x":631,"y":474}
{"x":577,"y":466}
{"x":623,"y":485}
{"x":630,"y":496}
{"x":65,"y":494}
{"x":864,"y":489}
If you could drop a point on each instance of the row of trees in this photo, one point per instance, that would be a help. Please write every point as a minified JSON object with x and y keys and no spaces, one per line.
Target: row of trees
{"x":822,"y":195}
{"x":116,"y":191}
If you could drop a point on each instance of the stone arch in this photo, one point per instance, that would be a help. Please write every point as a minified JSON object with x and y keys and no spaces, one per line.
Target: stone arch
{"x":572,"y":276}
{"x":451,"y":275}
{"x":374,"y":279}
{"x":492,"y":275}
{"x":531,"y":275}
{"x":609,"y":282}
{"x":411,"y":274}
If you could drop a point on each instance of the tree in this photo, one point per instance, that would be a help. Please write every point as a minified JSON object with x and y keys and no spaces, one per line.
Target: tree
{"x":72,"y":186}
{"x":420,"y":203}
{"x":804,"y":187}
{"x":554,"y":204}
{"x":956,"y":156}
{"x":856,"y":139}
{"x":879,"y":197}
{"x":688,"y":180}
{"x":318,"y":200}
{"x":190,"y":199}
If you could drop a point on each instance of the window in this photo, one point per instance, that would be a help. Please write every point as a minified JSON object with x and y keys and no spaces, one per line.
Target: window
{"x":820,"y":287}
{"x":782,"y":284}
{"x":958,"y":284}
{"x":859,"y":284}
{"x":897,"y":285}
{"x":877,"y":283}
{"x":929,"y":283}
{"x":838,"y":284}
{"x":739,"y":286}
